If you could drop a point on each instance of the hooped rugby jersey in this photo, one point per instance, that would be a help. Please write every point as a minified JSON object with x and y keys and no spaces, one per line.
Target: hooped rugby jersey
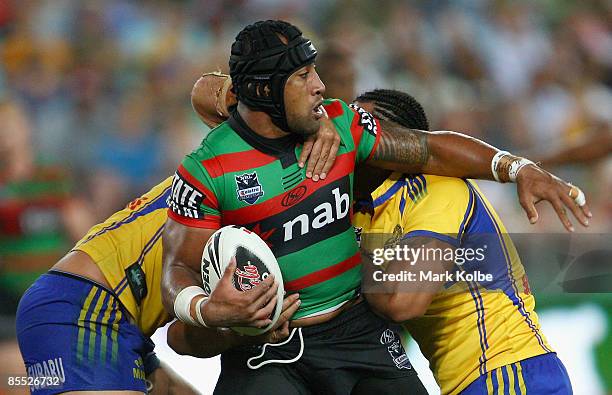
{"x":127,"y":248}
{"x":237,"y":177}
{"x":32,"y":231}
{"x":471,"y":327}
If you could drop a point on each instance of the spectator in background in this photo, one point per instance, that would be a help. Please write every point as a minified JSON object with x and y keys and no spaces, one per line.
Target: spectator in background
{"x":336,"y":68}
{"x":129,"y":157}
{"x":487,"y":67}
{"x":39,"y":220}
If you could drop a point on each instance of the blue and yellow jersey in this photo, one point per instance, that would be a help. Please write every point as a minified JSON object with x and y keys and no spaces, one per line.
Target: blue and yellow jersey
{"x":471,"y":327}
{"x":127,"y":248}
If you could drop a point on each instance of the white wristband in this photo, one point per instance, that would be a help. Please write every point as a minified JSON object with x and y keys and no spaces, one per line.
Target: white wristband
{"x":516,"y":166}
{"x":182,"y":304}
{"x":198,"y":309}
{"x":495,"y":161}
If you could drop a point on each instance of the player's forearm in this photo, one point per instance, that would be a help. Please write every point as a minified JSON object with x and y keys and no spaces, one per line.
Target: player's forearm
{"x":203,"y":342}
{"x":399,"y":307}
{"x":181,"y":252}
{"x":458,"y":155}
{"x":400,"y":301}
{"x":393,"y":300}
{"x":441,"y":153}
{"x":176,"y":277}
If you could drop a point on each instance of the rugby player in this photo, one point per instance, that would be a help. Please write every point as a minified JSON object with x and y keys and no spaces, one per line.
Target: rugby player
{"x":246,"y":173}
{"x":479,"y":336}
{"x":85,"y":325}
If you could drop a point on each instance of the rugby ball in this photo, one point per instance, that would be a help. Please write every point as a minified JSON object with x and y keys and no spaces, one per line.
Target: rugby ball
{"x":254,"y":262}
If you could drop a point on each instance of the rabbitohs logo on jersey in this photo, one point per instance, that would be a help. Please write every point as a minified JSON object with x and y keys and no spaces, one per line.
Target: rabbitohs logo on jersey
{"x":248,"y":188}
{"x":366,"y":120}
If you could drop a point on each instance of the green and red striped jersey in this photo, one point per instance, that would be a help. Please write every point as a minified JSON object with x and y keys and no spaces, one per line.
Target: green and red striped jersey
{"x":237,"y":177}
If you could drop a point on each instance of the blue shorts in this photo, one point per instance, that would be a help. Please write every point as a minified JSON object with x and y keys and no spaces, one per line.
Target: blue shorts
{"x":75,"y":335}
{"x":541,"y":375}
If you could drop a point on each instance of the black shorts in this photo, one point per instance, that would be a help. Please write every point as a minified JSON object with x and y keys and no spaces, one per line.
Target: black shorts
{"x":357,"y":352}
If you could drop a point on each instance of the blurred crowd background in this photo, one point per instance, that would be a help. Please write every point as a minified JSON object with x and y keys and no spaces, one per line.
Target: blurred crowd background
{"x":94,"y":98}
{"x":103,"y":86}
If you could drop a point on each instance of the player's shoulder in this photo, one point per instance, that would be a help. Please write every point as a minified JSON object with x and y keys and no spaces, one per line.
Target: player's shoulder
{"x":450,"y":186}
{"x":349,"y":121}
{"x":337,"y":111}
{"x":220,"y":140}
{"x":219,"y":133}
{"x":151,"y":201}
{"x":430,"y":191}
{"x":436,"y":204}
{"x":142,"y":215}
{"x":390,"y":186}
{"x":335,"y":108}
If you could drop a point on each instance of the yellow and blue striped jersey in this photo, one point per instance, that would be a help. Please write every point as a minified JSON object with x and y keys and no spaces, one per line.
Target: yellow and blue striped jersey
{"x":127,"y":248}
{"x":470,"y":328}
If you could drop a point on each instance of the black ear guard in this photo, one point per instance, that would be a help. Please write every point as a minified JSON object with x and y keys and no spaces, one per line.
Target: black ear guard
{"x":261,"y":62}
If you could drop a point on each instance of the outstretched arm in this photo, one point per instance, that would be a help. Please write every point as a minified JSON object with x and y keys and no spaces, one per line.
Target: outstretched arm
{"x":440,"y":153}
{"x":457,"y":155}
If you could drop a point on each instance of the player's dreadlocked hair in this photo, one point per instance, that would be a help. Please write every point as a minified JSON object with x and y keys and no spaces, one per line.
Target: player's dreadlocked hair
{"x":396,"y":106}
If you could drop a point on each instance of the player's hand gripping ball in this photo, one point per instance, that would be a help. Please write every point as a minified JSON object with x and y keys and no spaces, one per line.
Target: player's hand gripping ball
{"x":254,"y":262}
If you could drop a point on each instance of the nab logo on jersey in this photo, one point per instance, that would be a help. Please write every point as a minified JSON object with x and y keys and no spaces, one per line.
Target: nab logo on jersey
{"x":324,"y":214}
{"x":248,"y":188}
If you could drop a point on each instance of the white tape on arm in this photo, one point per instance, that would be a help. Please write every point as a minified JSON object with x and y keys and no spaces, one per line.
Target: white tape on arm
{"x":516,"y":166}
{"x":198,"y":309}
{"x":495,"y":162}
{"x":182,"y":304}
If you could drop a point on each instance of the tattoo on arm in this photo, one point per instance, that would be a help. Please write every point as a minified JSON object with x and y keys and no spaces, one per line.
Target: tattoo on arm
{"x":402,"y":145}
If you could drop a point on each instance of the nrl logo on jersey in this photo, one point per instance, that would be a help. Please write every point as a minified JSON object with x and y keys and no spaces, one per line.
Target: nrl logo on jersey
{"x":248,"y":188}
